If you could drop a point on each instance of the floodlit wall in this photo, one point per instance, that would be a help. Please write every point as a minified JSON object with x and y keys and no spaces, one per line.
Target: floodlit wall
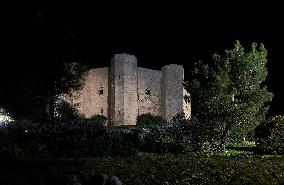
{"x":94,"y":95}
{"x":124,"y":76}
{"x":172,"y":90}
{"x":149,"y":91}
{"x":123,"y":91}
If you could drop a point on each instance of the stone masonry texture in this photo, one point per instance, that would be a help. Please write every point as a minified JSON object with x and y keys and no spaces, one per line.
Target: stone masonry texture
{"x":123,"y":91}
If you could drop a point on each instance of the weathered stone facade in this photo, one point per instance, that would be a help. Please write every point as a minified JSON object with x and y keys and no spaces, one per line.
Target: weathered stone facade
{"x":123,"y":91}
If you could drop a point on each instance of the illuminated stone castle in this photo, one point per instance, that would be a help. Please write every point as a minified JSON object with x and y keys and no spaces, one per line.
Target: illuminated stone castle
{"x":123,"y":91}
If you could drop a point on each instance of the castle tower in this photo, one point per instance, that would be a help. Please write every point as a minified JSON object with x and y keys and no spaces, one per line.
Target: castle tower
{"x":123,"y":90}
{"x":172,"y":101}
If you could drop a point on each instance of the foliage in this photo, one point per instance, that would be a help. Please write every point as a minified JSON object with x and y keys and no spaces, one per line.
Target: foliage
{"x":71,"y":78}
{"x":33,"y":64}
{"x":97,"y":119}
{"x":163,"y":138}
{"x":85,"y":137}
{"x":147,"y":168}
{"x":89,"y":137}
{"x":169,"y":169}
{"x":122,"y":141}
{"x":34,"y":99}
{"x":156,"y":139}
{"x":269,"y":136}
{"x":237,"y":153}
{"x":79,"y":138}
{"x":195,"y":136}
{"x":230,"y":92}
{"x":66,"y":112}
{"x":53,"y":140}
{"x":149,"y":119}
{"x":22,"y":140}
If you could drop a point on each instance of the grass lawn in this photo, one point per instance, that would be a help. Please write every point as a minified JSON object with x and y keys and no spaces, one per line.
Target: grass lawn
{"x":147,"y":169}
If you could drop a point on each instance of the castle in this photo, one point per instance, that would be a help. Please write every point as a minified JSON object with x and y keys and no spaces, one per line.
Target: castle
{"x":123,"y":91}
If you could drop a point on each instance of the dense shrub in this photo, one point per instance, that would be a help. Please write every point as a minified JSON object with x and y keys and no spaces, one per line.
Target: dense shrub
{"x":65,"y":112}
{"x":97,"y":119}
{"x":194,"y":135}
{"x":22,"y":139}
{"x":149,"y":120}
{"x":150,"y":138}
{"x":55,"y":140}
{"x":122,"y":141}
{"x":85,"y":139}
{"x":269,"y":136}
{"x":80,"y":138}
{"x":181,"y":135}
{"x":90,"y":138}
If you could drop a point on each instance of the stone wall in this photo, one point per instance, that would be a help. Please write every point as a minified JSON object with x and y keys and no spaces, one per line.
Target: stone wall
{"x":124,"y":107}
{"x":123,"y":91}
{"x":149,"y":91}
{"x":116,"y":93}
{"x":130,"y":89}
{"x":172,"y":90}
{"x":94,"y":95}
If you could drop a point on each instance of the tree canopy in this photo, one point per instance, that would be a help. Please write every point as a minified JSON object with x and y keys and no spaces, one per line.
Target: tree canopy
{"x":36,"y":64}
{"x":230,"y":91}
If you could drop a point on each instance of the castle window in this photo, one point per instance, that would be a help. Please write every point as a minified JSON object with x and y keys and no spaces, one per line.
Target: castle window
{"x":101,"y":91}
{"x":119,"y":77}
{"x":102,"y":111}
{"x":148,"y":92}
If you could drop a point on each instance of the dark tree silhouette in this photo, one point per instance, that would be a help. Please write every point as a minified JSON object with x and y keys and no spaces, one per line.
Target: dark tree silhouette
{"x":33,"y":64}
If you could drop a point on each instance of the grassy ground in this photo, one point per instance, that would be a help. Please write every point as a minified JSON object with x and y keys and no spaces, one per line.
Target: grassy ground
{"x":183,"y":170}
{"x":152,"y":169}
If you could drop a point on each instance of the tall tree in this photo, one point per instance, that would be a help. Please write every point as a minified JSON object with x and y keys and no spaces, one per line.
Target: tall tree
{"x":32,"y":64}
{"x":230,"y":92}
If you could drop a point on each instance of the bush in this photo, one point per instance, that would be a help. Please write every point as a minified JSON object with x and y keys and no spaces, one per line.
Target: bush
{"x":23,"y":139}
{"x":149,"y":119}
{"x":80,"y":138}
{"x":54,"y":140}
{"x":269,"y":136}
{"x":150,"y":138}
{"x":122,"y":141}
{"x":90,"y":138}
{"x":97,"y":119}
{"x":66,"y":112}
{"x":194,"y":135}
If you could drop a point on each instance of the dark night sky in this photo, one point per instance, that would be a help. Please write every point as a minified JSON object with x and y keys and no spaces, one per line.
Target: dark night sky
{"x":156,"y":33}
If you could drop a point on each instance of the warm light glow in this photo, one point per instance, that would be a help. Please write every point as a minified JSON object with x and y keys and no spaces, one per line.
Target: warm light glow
{"x":4,"y":117}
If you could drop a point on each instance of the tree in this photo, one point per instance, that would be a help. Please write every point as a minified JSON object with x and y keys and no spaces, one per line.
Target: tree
{"x":35,"y":96}
{"x":66,"y":112}
{"x":34,"y":62}
{"x":150,"y":120}
{"x":230,"y":93}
